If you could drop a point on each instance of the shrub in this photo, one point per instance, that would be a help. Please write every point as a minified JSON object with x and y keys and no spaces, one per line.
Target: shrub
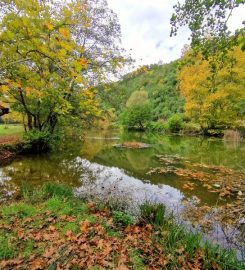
{"x":40,"y":141}
{"x":175,"y":123}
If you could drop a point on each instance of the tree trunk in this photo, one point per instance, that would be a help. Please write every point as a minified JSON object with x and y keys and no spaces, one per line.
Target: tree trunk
{"x":29,"y":122}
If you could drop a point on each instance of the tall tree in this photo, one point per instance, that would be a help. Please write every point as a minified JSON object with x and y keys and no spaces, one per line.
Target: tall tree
{"x":213,"y":103}
{"x":52,"y":53}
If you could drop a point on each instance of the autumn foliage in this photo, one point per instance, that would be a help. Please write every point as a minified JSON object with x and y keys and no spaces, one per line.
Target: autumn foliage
{"x":213,"y":100}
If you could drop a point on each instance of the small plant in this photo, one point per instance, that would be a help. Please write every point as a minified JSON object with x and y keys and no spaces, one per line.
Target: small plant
{"x":59,"y":206}
{"x":153,"y":213}
{"x":122,"y":219}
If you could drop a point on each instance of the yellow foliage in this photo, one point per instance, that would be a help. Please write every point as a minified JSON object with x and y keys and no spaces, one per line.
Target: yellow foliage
{"x":213,"y":101}
{"x":4,"y":88}
{"x":64,"y":32}
{"x":49,"y":26}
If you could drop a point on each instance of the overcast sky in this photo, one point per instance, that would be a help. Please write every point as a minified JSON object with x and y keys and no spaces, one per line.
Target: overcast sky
{"x":145,"y":26}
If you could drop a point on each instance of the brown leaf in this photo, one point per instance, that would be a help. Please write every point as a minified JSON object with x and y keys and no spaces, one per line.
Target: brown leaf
{"x":122,"y":267}
{"x":48,"y":253}
{"x":38,"y":264}
{"x":84,"y":226}
{"x":51,"y":228}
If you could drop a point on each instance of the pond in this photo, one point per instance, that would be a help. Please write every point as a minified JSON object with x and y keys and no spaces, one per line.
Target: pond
{"x":192,"y":176}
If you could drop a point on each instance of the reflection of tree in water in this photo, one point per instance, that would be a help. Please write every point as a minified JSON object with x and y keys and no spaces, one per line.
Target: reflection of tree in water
{"x":140,"y":160}
{"x":36,"y":171}
{"x":91,"y":148}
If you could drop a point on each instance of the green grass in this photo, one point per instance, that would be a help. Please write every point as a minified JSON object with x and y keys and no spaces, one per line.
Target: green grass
{"x":6,"y":248}
{"x":18,"y":210}
{"x":11,"y":129}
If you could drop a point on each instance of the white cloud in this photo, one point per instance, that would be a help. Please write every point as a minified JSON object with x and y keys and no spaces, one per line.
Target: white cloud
{"x":145,"y":28}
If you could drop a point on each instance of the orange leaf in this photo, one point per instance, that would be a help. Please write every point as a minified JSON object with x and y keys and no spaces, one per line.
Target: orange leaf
{"x":84,"y":226}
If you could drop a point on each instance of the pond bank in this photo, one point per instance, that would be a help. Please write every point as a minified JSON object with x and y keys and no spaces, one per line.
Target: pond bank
{"x":50,"y":228}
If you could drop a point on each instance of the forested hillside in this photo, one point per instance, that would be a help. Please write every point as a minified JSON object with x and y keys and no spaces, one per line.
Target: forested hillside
{"x":159,"y":81}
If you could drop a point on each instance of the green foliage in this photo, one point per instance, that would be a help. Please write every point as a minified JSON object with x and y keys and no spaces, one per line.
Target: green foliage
{"x":138,"y":98}
{"x":191,"y":128}
{"x":122,"y":219}
{"x":136,"y":116}
{"x":137,"y":112}
{"x":137,"y":261}
{"x":71,"y":226}
{"x":175,"y":123}
{"x":157,"y":126}
{"x":159,"y":81}
{"x":153,"y":213}
{"x":40,"y":141}
{"x":57,"y":205}
{"x":29,"y":247}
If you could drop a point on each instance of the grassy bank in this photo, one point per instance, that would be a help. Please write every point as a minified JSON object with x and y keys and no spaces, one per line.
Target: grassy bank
{"x":49,"y":228}
{"x":11,"y":129}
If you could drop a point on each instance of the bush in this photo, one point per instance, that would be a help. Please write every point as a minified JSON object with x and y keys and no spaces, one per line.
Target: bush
{"x":175,"y":123}
{"x":40,"y":141}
